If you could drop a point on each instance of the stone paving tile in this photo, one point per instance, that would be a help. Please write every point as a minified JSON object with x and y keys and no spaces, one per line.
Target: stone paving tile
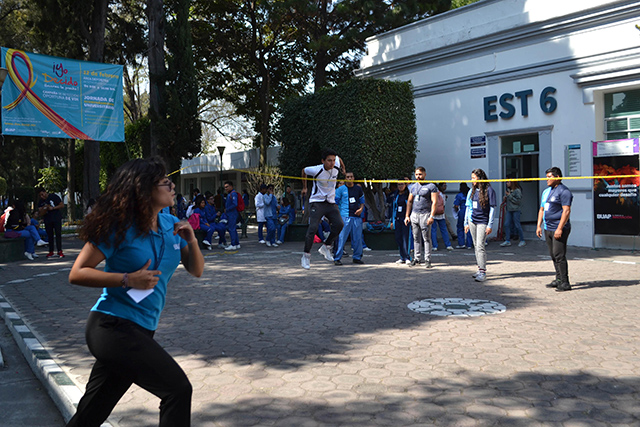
{"x":266,"y":343}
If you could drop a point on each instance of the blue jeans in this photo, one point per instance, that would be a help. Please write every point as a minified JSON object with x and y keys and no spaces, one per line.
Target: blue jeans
{"x":41,"y":232}
{"x":512,"y":217}
{"x":353,"y":227}
{"x":271,"y":230}
{"x":260,"y":228}
{"x":282,"y":230}
{"x":30,"y":235}
{"x":462,"y":239}
{"x":442,"y":224}
{"x":402,"y":233}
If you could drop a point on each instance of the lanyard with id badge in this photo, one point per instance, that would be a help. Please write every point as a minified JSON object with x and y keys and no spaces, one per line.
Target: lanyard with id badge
{"x":139,"y":294}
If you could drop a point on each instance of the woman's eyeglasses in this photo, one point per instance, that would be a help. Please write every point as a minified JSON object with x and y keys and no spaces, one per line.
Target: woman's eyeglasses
{"x":167,"y":184}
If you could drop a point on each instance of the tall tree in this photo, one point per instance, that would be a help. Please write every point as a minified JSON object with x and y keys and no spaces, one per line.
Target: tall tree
{"x":333,"y":32}
{"x":181,"y":128}
{"x":248,"y":54}
{"x":157,"y":71}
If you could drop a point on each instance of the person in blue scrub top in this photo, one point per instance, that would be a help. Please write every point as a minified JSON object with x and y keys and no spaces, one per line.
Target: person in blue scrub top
{"x":231,"y":209}
{"x":350,"y":199}
{"x":141,"y":248}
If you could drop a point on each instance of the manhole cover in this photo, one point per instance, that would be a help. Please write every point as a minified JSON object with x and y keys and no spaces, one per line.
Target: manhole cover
{"x":460,"y":307}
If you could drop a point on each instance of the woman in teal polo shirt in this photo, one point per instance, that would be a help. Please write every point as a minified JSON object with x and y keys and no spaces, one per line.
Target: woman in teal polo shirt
{"x":141,"y":248}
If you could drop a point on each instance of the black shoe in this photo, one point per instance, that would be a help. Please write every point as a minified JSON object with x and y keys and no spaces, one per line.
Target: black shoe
{"x":414,"y":262}
{"x":337,"y":262}
{"x":357,"y":261}
{"x":563,"y":287}
{"x":428,"y":264}
{"x":553,"y":284}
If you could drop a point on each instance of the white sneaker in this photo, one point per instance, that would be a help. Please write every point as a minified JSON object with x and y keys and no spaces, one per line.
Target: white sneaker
{"x":505,"y":243}
{"x":41,"y":243}
{"x":35,"y":255}
{"x":433,"y":249}
{"x":238,"y":246}
{"x":206,"y":243}
{"x":400,"y":261}
{"x":367,"y":249}
{"x":306,"y":261}
{"x":262,"y":241}
{"x":275,"y":245}
{"x":269,"y":244}
{"x":29,"y":256}
{"x":279,"y":242}
{"x":230,"y":248}
{"x":522,"y":243}
{"x":221,"y":246}
{"x":481,"y":277}
{"x":326,"y":253}
{"x":449,"y":248}
{"x":474,"y":275}
{"x":209,"y":248}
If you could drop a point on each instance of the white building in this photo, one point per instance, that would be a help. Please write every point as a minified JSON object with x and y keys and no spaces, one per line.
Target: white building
{"x":207,"y":174}
{"x":536,"y":81}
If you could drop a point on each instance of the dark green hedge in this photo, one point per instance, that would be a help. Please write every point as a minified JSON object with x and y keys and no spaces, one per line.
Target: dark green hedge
{"x":371,"y":124}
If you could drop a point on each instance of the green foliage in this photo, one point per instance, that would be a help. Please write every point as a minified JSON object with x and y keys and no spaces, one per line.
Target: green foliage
{"x":181,"y":130}
{"x":369,"y":123}
{"x":51,"y":179}
{"x":459,"y":3}
{"x":3,"y":186}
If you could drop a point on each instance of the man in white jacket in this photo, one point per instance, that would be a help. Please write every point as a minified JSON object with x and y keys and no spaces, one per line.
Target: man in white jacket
{"x":259,"y":201}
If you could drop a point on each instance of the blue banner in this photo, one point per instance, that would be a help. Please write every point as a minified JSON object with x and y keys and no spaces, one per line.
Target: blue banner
{"x":61,"y":98}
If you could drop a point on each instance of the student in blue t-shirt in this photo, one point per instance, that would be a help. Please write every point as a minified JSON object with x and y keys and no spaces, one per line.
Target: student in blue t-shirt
{"x":285,"y":217}
{"x":478,"y":219}
{"x":141,"y":248}
{"x":555,"y":209}
{"x":350,"y":200}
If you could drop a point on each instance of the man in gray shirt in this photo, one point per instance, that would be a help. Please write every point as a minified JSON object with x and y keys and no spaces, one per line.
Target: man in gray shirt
{"x":421,"y":207}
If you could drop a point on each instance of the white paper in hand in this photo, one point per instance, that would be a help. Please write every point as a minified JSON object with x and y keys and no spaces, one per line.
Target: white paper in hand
{"x":139,"y":294}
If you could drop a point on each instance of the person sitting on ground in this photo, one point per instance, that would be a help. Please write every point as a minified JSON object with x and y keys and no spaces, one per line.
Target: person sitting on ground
{"x":18,"y":224}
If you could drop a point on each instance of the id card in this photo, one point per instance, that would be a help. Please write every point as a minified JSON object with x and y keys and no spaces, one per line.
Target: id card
{"x":352,"y":199}
{"x":399,"y":208}
{"x":475,"y":204}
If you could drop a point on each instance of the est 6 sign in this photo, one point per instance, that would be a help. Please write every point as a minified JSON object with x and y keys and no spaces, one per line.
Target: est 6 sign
{"x":548,"y":104}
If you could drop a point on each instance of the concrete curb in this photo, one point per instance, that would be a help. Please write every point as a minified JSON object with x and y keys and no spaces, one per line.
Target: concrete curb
{"x":63,"y":391}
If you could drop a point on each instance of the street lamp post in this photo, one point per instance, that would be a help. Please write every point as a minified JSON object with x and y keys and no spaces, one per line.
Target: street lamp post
{"x":221,"y":151}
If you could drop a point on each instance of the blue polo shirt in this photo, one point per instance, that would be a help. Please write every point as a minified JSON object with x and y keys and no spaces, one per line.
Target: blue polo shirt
{"x":163,"y":249}
{"x":552,"y":201}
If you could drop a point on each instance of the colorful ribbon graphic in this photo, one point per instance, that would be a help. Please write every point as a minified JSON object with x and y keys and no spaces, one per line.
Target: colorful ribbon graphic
{"x":25,"y":88}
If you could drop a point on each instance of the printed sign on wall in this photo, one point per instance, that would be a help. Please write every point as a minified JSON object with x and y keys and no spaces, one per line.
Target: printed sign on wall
{"x":61,"y":98}
{"x":616,"y":204}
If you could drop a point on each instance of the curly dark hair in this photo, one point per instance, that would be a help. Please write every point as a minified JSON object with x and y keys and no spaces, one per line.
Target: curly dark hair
{"x":483,"y":197}
{"x":126,"y":202}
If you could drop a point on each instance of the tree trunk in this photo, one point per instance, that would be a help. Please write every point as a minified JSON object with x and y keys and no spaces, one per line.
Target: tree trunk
{"x":320,"y":74}
{"x":91,"y":187}
{"x":71,"y":183}
{"x":155,"y":15}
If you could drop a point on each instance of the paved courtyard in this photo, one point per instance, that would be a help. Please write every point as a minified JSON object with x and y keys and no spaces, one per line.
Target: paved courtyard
{"x":267,"y":343}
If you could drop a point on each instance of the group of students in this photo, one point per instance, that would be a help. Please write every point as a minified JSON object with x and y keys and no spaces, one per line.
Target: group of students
{"x":16,"y":222}
{"x":417,"y":207}
{"x":276,"y":216}
{"x":203,"y":215}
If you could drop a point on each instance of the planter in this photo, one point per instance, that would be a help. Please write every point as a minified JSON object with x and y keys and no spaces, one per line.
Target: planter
{"x":384,"y":241}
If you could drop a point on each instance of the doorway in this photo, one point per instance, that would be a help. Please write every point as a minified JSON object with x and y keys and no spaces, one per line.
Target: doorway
{"x":520,"y":160}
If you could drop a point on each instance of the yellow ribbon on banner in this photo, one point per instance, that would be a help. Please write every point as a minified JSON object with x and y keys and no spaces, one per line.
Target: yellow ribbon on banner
{"x":27,"y":92}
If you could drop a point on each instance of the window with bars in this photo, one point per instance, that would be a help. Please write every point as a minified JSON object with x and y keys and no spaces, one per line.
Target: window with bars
{"x":622,"y":114}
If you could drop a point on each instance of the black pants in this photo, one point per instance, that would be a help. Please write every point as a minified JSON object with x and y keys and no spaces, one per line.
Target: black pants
{"x":126,"y":353}
{"x":558,"y":252}
{"x":50,"y":227}
{"x":316,"y":211}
